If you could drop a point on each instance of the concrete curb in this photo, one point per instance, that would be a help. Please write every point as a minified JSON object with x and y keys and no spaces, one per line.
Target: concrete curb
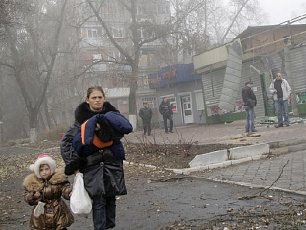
{"x":250,"y":185}
{"x":227,"y":157}
{"x":139,"y":164}
{"x":187,"y":171}
{"x":238,"y":155}
{"x":285,"y":143}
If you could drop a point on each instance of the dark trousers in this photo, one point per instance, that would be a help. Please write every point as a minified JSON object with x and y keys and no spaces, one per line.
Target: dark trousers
{"x":146,"y":127}
{"x":104,"y":212}
{"x":170,"y":118}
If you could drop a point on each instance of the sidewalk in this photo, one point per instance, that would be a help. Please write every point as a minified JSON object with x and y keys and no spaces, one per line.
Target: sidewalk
{"x":289,"y":167}
{"x":222,"y":133}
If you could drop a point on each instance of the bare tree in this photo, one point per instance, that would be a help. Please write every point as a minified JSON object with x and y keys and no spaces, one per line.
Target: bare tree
{"x":32,"y":48}
{"x":131,"y":52}
{"x":239,"y":15}
{"x":207,"y":23}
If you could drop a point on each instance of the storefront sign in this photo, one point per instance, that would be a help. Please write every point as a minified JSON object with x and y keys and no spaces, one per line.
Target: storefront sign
{"x":172,"y":75}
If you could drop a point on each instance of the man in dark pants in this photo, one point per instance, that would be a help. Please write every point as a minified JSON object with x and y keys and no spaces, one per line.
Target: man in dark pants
{"x":165,"y":110}
{"x":146,"y":115}
{"x":250,"y":101}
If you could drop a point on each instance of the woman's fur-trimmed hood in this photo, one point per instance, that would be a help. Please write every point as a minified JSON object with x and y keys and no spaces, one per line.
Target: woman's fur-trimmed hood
{"x":33,"y":184}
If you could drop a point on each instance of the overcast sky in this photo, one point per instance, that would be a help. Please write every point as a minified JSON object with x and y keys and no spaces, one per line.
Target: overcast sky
{"x":283,"y":10}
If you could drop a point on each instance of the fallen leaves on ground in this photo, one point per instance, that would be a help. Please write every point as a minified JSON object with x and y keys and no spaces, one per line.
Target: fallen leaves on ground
{"x":290,"y":216}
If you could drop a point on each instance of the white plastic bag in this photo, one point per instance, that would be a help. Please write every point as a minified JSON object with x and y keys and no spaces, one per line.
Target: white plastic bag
{"x":80,"y":202}
{"x":39,"y":209}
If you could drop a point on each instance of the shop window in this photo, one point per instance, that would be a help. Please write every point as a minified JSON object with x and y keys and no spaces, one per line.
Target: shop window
{"x":301,"y":98}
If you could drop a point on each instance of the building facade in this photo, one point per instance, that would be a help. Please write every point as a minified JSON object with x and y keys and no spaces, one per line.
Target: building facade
{"x":182,"y":87}
{"x":258,"y":52}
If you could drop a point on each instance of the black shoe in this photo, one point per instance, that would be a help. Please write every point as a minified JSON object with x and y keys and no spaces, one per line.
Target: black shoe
{"x":287,"y":124}
{"x":279,"y":126}
{"x":254,"y":130}
{"x":171,"y":132}
{"x":110,"y":226}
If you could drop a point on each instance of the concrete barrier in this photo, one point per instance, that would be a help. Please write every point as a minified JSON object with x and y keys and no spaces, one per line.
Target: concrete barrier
{"x":223,"y":158}
{"x":248,"y":151}
{"x":209,"y":158}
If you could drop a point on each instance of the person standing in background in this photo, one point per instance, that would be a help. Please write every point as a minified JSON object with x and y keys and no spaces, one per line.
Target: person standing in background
{"x":281,"y":92}
{"x":250,"y":101}
{"x":146,"y":115}
{"x":165,"y":110}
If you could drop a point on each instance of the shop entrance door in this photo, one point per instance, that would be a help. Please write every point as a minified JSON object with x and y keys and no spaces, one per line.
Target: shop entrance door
{"x":187,"y":109}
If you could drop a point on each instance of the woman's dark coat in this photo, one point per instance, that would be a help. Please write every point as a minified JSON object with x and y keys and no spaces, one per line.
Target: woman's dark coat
{"x":106,"y":178}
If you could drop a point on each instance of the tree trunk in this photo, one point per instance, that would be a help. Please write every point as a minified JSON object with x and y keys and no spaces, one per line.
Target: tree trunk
{"x":33,"y":117}
{"x":47,"y":115}
{"x":132,"y":100}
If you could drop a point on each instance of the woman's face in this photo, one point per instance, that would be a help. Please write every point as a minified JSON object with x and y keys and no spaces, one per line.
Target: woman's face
{"x":95,"y":100}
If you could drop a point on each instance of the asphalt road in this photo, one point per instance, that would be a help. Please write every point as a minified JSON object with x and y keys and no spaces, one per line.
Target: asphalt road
{"x":155,"y":205}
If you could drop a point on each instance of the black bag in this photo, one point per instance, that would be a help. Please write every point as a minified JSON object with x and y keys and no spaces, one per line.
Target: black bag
{"x":94,"y":180}
{"x":114,"y":181}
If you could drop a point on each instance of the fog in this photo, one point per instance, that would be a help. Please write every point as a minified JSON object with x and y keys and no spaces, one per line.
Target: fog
{"x":52,"y":51}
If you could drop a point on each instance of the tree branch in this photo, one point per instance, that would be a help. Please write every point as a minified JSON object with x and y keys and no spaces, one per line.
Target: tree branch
{"x":53,"y":56}
{"x":7,"y":65}
{"x":234,"y":20}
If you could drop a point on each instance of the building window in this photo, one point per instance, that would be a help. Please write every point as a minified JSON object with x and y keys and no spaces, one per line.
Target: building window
{"x":96,"y":57}
{"x":147,"y":33}
{"x":92,"y":33}
{"x":117,"y":32}
{"x":114,"y":55}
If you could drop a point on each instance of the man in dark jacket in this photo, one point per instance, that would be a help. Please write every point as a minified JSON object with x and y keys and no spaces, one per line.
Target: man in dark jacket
{"x":250,"y":101}
{"x":165,"y":110}
{"x":146,"y":115}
